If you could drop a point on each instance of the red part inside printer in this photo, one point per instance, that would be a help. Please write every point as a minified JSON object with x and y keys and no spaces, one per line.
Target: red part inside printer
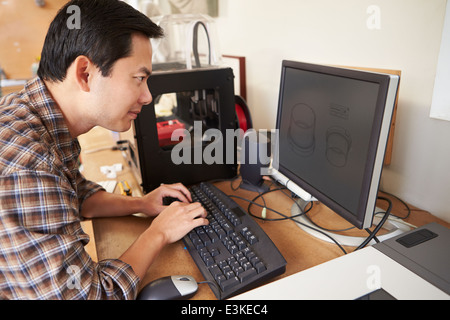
{"x":165,"y":130}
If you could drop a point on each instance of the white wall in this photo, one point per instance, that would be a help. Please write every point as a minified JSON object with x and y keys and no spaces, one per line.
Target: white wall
{"x":336,"y":32}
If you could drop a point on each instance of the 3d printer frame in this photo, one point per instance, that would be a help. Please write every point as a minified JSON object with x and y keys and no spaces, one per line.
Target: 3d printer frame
{"x":203,"y":96}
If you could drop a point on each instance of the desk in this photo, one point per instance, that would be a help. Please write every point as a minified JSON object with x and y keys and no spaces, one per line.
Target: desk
{"x":330,"y":281}
{"x":110,"y":237}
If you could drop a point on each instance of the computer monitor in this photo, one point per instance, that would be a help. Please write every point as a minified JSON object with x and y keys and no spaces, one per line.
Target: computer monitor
{"x":333,"y":125}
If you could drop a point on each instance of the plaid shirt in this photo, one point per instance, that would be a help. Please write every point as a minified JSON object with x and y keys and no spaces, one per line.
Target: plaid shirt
{"x":42,"y":243}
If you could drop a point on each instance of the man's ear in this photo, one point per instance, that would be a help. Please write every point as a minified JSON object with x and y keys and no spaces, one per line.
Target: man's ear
{"x":83,"y":68}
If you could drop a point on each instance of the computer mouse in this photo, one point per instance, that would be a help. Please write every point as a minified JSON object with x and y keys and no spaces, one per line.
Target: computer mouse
{"x":169,"y":288}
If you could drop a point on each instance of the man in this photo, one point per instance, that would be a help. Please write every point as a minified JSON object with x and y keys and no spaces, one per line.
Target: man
{"x":94,"y":75}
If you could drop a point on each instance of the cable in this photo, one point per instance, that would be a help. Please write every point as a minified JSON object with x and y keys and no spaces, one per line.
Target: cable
{"x":195,"y":44}
{"x":259,"y":205}
{"x":214,"y":284}
{"x":285,"y":217}
{"x":378,"y":227}
{"x":317,"y":230}
{"x":408,"y":209}
{"x":372,"y":234}
{"x":314,"y":223}
{"x":260,"y":195}
{"x":302,"y":210}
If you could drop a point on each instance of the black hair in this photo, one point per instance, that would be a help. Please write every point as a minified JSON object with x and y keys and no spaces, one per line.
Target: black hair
{"x":103,"y":34}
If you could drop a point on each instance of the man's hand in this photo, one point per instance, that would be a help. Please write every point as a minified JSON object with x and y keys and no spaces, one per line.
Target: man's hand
{"x":177,"y":220}
{"x":105,"y":204}
{"x":153,"y":201}
{"x":172,"y":224}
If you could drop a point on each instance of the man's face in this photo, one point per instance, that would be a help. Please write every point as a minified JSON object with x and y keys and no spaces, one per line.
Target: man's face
{"x":119,"y":98}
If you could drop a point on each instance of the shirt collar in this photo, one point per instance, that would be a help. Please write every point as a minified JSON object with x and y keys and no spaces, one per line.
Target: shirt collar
{"x":53,"y":119}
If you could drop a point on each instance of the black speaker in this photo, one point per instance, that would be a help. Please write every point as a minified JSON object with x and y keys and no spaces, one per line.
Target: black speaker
{"x":255,"y":157}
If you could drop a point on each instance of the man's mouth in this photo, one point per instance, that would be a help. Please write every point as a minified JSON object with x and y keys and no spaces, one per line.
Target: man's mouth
{"x":133,"y":114}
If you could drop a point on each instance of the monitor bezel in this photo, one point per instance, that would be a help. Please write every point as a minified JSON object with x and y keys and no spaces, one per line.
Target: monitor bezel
{"x":363,"y":217}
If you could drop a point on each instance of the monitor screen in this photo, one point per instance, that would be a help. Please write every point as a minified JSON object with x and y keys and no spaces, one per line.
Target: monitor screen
{"x":333,"y":125}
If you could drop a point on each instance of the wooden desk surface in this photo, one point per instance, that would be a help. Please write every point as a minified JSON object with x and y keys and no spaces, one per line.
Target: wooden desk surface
{"x":110,"y":237}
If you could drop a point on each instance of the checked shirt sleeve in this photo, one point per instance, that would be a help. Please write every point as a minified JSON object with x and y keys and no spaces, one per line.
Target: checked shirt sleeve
{"x":42,"y":243}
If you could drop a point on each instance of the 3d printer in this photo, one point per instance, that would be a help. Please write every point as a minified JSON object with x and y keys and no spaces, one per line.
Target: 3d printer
{"x":172,"y":132}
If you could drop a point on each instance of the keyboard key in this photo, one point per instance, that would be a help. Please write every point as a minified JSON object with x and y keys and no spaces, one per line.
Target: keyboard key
{"x":233,"y":249}
{"x":250,"y":254}
{"x":221,"y":233}
{"x":252,"y":239}
{"x":234,"y":265}
{"x":247,"y":265}
{"x":229,"y":274}
{"x":255,"y":260}
{"x":212,"y":235}
{"x":209,"y":261}
{"x":260,"y":267}
{"x":220,"y":279}
{"x":227,"y":228}
{"x":239,"y":270}
{"x":198,"y":243}
{"x":247,"y":274}
{"x":227,"y":284}
{"x":214,"y":252}
{"x":222,"y":264}
{"x":215,"y":271}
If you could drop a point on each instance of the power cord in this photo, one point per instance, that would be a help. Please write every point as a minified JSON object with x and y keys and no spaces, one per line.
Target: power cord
{"x":285,"y":217}
{"x":213,"y":284}
{"x":408,"y":209}
{"x":378,"y":227}
{"x":372,"y":234}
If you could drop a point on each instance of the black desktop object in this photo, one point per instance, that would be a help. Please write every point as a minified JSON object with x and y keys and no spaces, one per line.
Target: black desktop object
{"x":255,"y":158}
{"x":200,"y":101}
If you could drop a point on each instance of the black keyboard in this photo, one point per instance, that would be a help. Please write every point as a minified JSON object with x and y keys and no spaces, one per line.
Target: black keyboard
{"x":232,"y":252}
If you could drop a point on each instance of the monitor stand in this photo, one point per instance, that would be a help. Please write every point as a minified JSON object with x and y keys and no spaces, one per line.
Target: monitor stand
{"x":394,"y":228}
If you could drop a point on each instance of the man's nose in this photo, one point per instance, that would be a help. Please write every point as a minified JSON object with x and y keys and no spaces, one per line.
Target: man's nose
{"x":146,"y":96}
